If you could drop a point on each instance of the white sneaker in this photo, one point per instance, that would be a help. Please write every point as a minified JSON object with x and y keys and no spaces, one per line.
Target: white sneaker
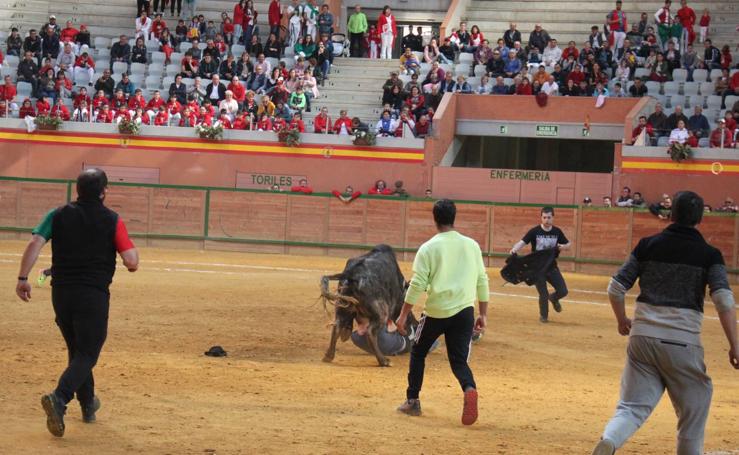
{"x":604,"y":447}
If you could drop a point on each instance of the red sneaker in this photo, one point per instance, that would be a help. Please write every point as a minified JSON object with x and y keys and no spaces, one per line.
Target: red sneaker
{"x":469,"y":411}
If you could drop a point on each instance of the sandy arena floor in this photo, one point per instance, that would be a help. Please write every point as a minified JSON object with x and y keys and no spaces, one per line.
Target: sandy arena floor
{"x":543,"y":388}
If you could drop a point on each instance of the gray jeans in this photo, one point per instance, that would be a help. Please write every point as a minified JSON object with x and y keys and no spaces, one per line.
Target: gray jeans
{"x":652,"y":366}
{"x":390,"y":343}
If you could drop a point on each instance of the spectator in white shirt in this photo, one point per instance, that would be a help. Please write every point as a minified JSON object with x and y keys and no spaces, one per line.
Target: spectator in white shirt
{"x":552,"y":54}
{"x":679,"y":134}
{"x":230,"y":105}
{"x":550,"y":87}
{"x":143,"y":26}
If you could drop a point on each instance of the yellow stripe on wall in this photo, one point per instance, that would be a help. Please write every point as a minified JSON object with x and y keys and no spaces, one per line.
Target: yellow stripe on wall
{"x":672,"y":166}
{"x":195,"y":146}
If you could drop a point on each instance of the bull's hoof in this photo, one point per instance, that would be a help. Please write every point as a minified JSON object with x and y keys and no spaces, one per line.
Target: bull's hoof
{"x":384,"y":363}
{"x":328,"y":358}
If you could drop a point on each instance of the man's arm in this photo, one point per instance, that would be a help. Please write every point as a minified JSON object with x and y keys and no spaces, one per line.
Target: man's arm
{"x":483,"y":294}
{"x":30,"y":255}
{"x":417,"y":286}
{"x":517,"y":247}
{"x":617,"y":288}
{"x":723,"y":299}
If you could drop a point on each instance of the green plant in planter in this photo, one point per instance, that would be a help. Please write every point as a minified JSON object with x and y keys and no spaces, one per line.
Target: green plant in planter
{"x":289,"y":137}
{"x":364,"y":138}
{"x":679,"y":152}
{"x":48,"y":122}
{"x":129,"y":127}
{"x":210,"y":132}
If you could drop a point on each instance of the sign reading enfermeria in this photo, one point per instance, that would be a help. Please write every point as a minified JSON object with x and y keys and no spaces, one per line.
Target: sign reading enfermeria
{"x":512,"y":174}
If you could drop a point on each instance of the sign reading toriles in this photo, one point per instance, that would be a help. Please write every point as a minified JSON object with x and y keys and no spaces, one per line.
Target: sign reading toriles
{"x":258,"y":180}
{"x":547,"y":130}
{"x":513,"y":174}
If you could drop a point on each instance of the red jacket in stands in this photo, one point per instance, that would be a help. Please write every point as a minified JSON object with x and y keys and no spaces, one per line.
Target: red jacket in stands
{"x":524,"y":89}
{"x":193,"y":105}
{"x":637,"y":131}
{"x":104,"y":116}
{"x":189,"y":120}
{"x":203,"y":119}
{"x":154,"y":103}
{"x":157,"y":26}
{"x":174,"y":107}
{"x":385,"y":192}
{"x":25,"y":111}
{"x":692,"y":141}
{"x":119,"y":103}
{"x":422,"y":129}
{"x":98,"y":102}
{"x":60,"y":111}
{"x":279,"y":124}
{"x":161,"y":119}
{"x":265,"y":124}
{"x":346,"y":121}
{"x":137,"y":101}
{"x":241,"y":123}
{"x":80,"y":98}
{"x":320,"y":123}
{"x":7,"y":92}
{"x":238,"y":90}
{"x":122,"y":113}
{"x":302,"y":189}
{"x":84,"y":62}
{"x":42,"y":107}
{"x":68,"y":35}
{"x":353,"y":196}
{"x":274,"y":13}
{"x":298,"y":124}
{"x":716,"y":138}
{"x":225,"y":122}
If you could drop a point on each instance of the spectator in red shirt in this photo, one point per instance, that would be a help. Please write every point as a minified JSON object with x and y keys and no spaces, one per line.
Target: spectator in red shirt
{"x":137,"y":100}
{"x":68,"y":34}
{"x":343,"y":124}
{"x":26,"y":109}
{"x":162,"y":118}
{"x":238,"y":90}
{"x":264,"y":123}
{"x":302,"y":187}
{"x":8,"y":92}
{"x":157,"y":27}
{"x":721,"y":137}
{"x":571,"y":49}
{"x":242,"y":121}
{"x":81,"y":96}
{"x":297,"y":122}
{"x":576,"y":74}
{"x":224,"y":120}
{"x":188,"y":118}
{"x":84,"y":64}
{"x":380,"y":188}
{"x":99,"y":100}
{"x":203,"y":116}
{"x":524,"y":88}
{"x":423,"y":126}
{"x":275,"y":17}
{"x":43,"y":106}
{"x":60,"y":110}
{"x":154,"y":103}
{"x":322,"y":123}
{"x":104,"y":115}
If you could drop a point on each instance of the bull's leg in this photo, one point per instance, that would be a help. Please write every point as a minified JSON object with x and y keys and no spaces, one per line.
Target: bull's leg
{"x":372,"y":337}
{"x":331,"y":351}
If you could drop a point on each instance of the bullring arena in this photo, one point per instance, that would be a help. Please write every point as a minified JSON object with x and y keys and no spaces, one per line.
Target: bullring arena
{"x":239,"y":206}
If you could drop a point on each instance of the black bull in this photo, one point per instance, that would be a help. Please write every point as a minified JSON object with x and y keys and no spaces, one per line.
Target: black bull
{"x":371,"y":287}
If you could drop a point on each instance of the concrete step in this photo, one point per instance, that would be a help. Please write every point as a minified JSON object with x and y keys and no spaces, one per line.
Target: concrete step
{"x":650,"y":7}
{"x":532,"y":16}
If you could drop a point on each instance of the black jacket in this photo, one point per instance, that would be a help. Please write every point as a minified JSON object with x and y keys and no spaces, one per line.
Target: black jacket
{"x":123,"y":52}
{"x":221,"y":91}
{"x":530,"y":268}
{"x":510,"y":37}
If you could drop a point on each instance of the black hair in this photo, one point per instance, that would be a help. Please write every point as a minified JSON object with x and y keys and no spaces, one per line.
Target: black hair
{"x":91,"y":183}
{"x":636,"y":192}
{"x":627,"y":188}
{"x":547,"y":210}
{"x":687,"y":208}
{"x":445,"y":212}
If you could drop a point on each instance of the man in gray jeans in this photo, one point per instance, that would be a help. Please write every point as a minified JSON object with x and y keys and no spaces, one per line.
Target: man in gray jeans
{"x":673,"y":268}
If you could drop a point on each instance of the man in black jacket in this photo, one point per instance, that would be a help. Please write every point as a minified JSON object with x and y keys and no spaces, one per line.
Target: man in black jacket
{"x":216,"y":91}
{"x":32,"y":44}
{"x":711,"y":56}
{"x":28,"y":70}
{"x":120,"y":51}
{"x":673,"y":268}
{"x":178,"y":90}
{"x":208,"y":67}
{"x":106,"y":84}
{"x":86,"y":236}
{"x":50,"y":44}
{"x":539,"y":38}
{"x":511,"y":36}
{"x":675,"y":117}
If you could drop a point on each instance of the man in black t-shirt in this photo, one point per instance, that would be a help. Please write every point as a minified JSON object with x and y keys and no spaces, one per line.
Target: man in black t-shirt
{"x":544,"y":237}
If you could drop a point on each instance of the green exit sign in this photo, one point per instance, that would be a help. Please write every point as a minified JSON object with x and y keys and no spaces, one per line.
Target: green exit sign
{"x":503,"y":129}
{"x":547,"y":130}
{"x":585,"y":132}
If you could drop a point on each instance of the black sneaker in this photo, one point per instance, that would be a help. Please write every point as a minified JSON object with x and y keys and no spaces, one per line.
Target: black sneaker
{"x":555,"y":304}
{"x":54,"y":414}
{"x":543,"y":319}
{"x":89,"y":410}
{"x":411,"y":407}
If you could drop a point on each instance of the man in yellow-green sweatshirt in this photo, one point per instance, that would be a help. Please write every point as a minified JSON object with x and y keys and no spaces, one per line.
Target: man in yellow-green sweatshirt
{"x":449,"y":268}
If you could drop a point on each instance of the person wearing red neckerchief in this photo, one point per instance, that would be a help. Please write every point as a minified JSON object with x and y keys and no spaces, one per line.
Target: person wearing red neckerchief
{"x":204,"y":117}
{"x":225,"y":121}
{"x":297,"y":122}
{"x":60,"y":110}
{"x":104,"y":115}
{"x":43,"y":107}
{"x":343,"y":124}
{"x":388,"y":28}
{"x":264,"y":123}
{"x":26,"y":109}
{"x":380,"y":188}
{"x":162,"y":118}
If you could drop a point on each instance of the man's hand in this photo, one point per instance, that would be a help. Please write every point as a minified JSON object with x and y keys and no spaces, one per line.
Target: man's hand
{"x":23,"y":290}
{"x":734,"y":357}
{"x":400,"y":323}
{"x":481,"y":323}
{"x":624,"y":326}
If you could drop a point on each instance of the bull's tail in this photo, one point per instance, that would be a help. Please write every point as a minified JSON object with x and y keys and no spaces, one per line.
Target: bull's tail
{"x":335,"y":299}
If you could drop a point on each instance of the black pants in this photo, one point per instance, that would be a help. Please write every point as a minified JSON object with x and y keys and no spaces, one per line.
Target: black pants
{"x":457,"y":331}
{"x":356,"y":44}
{"x":179,"y":6}
{"x":82,"y":317}
{"x":555,"y":278}
{"x":157,"y":5}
